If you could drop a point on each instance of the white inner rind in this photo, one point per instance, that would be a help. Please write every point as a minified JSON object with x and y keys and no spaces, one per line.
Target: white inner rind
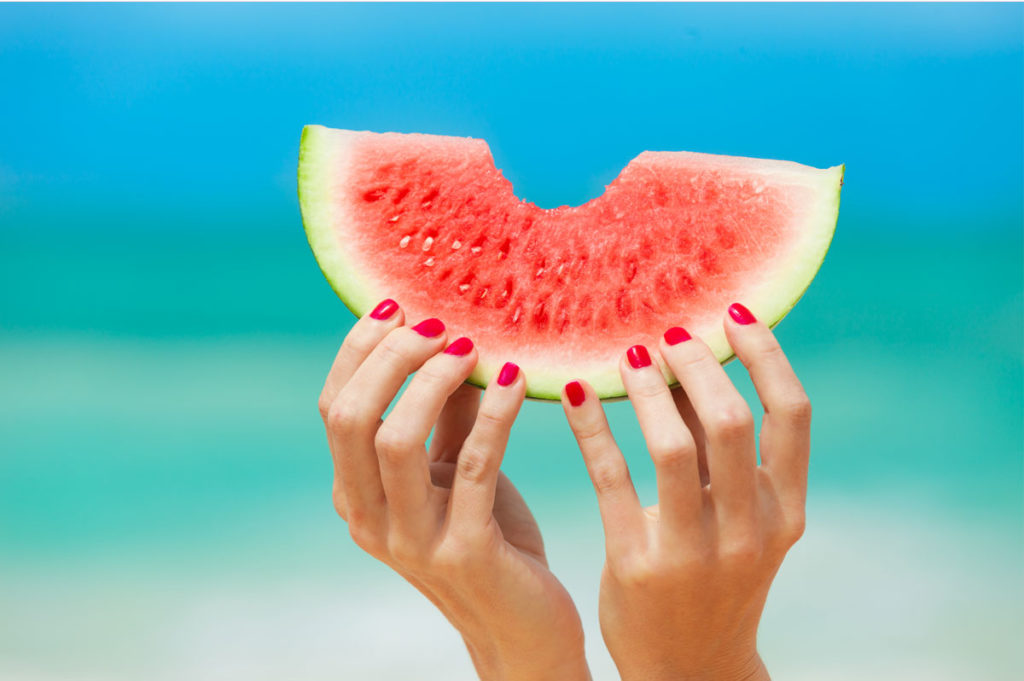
{"x":325,"y":161}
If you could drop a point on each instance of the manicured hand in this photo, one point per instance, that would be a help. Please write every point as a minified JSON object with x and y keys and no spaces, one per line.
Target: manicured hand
{"x":685,"y":581}
{"x":447,"y":520}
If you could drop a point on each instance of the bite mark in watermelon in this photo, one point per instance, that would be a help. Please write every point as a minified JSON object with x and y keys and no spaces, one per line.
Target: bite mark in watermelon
{"x":678,"y":236}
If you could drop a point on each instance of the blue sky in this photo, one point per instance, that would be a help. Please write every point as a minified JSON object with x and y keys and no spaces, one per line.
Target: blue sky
{"x":192,"y":114}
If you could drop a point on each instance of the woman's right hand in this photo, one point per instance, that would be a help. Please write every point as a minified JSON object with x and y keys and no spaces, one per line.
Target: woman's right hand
{"x":446,"y":519}
{"x":685,"y":581}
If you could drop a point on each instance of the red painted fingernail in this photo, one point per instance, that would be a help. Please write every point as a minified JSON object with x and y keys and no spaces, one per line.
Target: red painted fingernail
{"x":459,"y":347}
{"x":384,"y":309}
{"x":508,"y":374}
{"x":741,"y":314}
{"x":429,"y":328}
{"x":574,"y":391}
{"x":638,"y":357}
{"x":677,"y":335}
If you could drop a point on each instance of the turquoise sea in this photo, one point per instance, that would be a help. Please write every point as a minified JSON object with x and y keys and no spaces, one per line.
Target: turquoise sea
{"x":164,"y":330}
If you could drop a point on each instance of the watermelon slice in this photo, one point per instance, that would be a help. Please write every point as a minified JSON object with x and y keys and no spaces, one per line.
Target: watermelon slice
{"x":429,"y":221}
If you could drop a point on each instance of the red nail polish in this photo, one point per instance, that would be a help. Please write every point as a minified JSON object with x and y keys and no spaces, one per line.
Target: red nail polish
{"x":574,"y":391}
{"x":384,"y":309}
{"x":429,"y":328}
{"x":508,"y":374}
{"x":741,"y":314}
{"x":459,"y":347}
{"x":677,"y":335}
{"x":638,"y":357}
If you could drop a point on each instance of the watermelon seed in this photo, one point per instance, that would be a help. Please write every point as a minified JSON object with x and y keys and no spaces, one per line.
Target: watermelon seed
{"x":631,"y":269}
{"x":393,"y":218}
{"x":456,"y":245}
{"x":475,"y":250}
{"x":427,"y":243}
{"x":463,"y":287}
{"x":428,"y":200}
{"x":429,"y":262}
{"x":402,"y":193}
{"x":404,"y":241}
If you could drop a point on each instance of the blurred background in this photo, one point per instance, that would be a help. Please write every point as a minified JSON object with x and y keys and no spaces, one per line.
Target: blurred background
{"x":164,"y":330}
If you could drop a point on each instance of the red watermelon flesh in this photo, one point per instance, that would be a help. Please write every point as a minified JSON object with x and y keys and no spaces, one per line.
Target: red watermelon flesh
{"x":429,"y":221}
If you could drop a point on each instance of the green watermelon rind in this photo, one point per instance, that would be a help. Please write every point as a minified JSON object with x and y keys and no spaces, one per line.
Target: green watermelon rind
{"x":314,"y":176}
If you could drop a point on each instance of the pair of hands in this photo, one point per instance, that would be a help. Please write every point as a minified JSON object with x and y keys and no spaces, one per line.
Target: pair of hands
{"x":685,"y":581}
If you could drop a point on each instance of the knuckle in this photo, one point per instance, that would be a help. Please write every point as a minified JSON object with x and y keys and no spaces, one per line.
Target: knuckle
{"x":693,"y":356}
{"x":403,"y":552}
{"x":588,"y":433}
{"x":770,"y":351}
{"x":474,"y":464}
{"x":672,"y":451}
{"x":733,"y":423}
{"x":634,"y":573}
{"x":363,"y":534}
{"x":694,"y":559}
{"x":797,"y":410}
{"x":392,"y":350}
{"x":358,"y":344}
{"x":340,"y":503}
{"x":794,"y":529}
{"x":491,"y":419}
{"x":432,"y":375}
{"x":452,"y":554}
{"x":609,"y":477}
{"x":742,"y":552}
{"x":344,"y":415}
{"x":650,"y":389}
{"x":391,"y":443}
{"x":324,"y":405}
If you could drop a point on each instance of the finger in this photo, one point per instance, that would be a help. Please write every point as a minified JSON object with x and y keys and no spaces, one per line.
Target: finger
{"x":674,"y":336}
{"x":400,"y":441}
{"x":727,"y":421}
{"x":356,"y":412}
{"x":476,"y":471}
{"x":621,"y":513}
{"x":454,"y":423}
{"x":669,"y":442}
{"x":685,"y":408}
{"x":360,"y":341}
{"x":471,"y":503}
{"x":786,"y":429}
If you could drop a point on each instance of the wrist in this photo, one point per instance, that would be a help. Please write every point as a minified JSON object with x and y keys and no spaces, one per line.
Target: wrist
{"x":553,"y":661}
{"x":746,"y":668}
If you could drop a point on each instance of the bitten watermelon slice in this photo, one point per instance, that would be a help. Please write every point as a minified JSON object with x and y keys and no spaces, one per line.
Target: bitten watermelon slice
{"x":429,"y":221}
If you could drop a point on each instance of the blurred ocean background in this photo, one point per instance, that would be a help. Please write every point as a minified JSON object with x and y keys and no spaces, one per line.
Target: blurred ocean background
{"x":164,"y":331}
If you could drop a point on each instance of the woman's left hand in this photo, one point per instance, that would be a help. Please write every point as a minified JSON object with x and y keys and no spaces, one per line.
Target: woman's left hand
{"x":447,"y":520}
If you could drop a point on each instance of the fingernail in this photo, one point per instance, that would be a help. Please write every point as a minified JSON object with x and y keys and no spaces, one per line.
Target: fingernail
{"x":638,"y":357}
{"x":429,"y":328}
{"x":384,"y":309}
{"x":741,"y":314}
{"x":677,"y":335}
{"x":508,"y":374}
{"x":574,"y":391}
{"x":459,"y":347}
